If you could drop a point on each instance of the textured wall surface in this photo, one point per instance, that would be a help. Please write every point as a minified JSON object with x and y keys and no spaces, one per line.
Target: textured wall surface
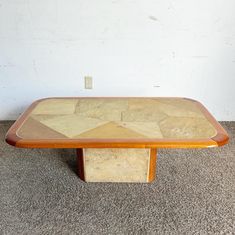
{"x":130,"y":48}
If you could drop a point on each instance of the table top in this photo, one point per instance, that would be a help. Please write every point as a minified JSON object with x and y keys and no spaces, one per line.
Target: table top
{"x":110,"y":122}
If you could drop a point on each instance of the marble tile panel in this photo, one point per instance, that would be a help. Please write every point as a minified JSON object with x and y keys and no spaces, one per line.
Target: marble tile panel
{"x":143,"y":115}
{"x":56,"y":106}
{"x":189,"y":128}
{"x":33,"y":129}
{"x":42,"y":117}
{"x":148,"y":129}
{"x":104,"y":109}
{"x":72,"y":125}
{"x":116,"y":165}
{"x":111,"y":130}
{"x":179,"y":111}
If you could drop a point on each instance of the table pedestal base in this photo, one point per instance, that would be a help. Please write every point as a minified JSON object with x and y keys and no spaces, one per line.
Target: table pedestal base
{"x":117,"y":164}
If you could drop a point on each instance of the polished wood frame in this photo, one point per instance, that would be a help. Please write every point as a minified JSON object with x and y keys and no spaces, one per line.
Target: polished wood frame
{"x":219,"y":139}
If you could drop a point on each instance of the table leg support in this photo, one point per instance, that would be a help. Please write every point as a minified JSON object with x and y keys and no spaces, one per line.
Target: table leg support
{"x":152,"y":165}
{"x":80,"y":164}
{"x":116,"y":164}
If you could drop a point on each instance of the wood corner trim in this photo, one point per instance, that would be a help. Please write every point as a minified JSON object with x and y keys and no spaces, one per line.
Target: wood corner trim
{"x":152,"y":165}
{"x":80,"y":164}
{"x":221,"y":139}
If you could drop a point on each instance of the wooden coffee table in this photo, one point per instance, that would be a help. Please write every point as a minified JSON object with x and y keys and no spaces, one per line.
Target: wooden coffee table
{"x":116,"y":138}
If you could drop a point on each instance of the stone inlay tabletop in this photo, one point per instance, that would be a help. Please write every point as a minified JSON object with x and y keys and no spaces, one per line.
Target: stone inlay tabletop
{"x":82,"y":122}
{"x":116,"y":138}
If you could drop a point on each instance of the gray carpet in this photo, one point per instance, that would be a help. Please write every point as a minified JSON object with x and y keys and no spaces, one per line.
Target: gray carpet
{"x":194,"y":193}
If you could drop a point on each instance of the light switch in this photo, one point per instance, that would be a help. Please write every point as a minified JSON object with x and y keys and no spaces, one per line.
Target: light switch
{"x":88,"y":82}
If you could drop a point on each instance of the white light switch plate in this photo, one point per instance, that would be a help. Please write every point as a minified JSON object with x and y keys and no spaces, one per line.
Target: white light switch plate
{"x":88,"y":82}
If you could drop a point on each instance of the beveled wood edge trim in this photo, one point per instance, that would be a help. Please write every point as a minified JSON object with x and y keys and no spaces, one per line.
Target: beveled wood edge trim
{"x":222,"y":137}
{"x":107,"y":143}
{"x":11,"y":136}
{"x":80,"y":163}
{"x":13,"y":139}
{"x":152,"y":164}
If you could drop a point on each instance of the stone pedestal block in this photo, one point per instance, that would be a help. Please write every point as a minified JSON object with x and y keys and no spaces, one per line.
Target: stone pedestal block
{"x":117,"y":164}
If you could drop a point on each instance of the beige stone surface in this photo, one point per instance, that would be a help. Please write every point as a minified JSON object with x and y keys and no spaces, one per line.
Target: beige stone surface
{"x":56,"y":106}
{"x":121,"y":118}
{"x":179,"y":109}
{"x":35,"y":130}
{"x":139,"y":103}
{"x":116,"y":165}
{"x":104,"y":109}
{"x":42,"y":117}
{"x":111,"y":130}
{"x":72,"y":125}
{"x":147,"y":129}
{"x":180,"y":103}
{"x":186,"y":127}
{"x":143,"y":115}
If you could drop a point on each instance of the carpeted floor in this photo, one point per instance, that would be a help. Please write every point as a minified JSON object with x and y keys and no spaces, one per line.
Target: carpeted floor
{"x":194,"y":193}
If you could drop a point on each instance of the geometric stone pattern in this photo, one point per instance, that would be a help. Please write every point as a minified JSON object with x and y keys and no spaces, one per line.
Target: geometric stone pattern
{"x":116,"y":165}
{"x":116,"y":118}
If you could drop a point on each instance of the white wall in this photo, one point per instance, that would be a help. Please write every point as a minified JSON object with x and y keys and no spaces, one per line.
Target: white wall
{"x":129,"y":47}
